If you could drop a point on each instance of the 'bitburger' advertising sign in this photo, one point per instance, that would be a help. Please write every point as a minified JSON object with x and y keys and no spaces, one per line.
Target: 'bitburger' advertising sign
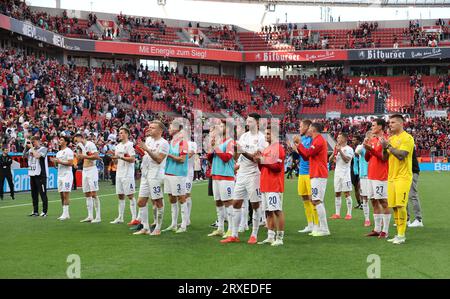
{"x":399,"y":54}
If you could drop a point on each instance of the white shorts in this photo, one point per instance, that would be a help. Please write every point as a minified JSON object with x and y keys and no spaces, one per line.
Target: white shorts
{"x":342,"y":183}
{"x":377,"y":189}
{"x":189,"y":181}
{"x":364,"y":186}
{"x":175,"y":185}
{"x":247,"y":188}
{"x":273,"y":201}
{"x":65,"y":183}
{"x":90,"y":179}
{"x":223,"y":190}
{"x":151,"y":188}
{"x":125,"y":186}
{"x":318,"y":188}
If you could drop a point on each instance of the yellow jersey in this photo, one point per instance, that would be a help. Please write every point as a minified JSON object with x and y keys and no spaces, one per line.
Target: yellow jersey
{"x":401,"y":170}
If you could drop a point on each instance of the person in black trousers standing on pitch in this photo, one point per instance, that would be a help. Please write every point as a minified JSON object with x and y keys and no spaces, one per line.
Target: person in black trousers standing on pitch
{"x":5,"y":172}
{"x":38,"y":172}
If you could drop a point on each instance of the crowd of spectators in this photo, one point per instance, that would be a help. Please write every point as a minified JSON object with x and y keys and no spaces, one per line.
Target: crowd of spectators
{"x":60,"y":24}
{"x":420,"y":37}
{"x":435,"y":97}
{"x":39,"y":96}
{"x":224,"y":36}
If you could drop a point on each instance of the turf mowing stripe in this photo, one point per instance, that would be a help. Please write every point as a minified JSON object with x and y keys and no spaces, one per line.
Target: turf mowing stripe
{"x":104,"y":195}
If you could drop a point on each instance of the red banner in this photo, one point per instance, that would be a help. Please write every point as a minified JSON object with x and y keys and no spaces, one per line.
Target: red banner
{"x":4,"y":22}
{"x":167,"y":51}
{"x":283,"y":56}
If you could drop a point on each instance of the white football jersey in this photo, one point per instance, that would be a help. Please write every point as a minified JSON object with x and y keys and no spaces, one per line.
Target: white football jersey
{"x":89,"y":147}
{"x":250,"y":143}
{"x":155,"y":170}
{"x":343,"y":168}
{"x":64,"y":155}
{"x":125,"y":169}
{"x":192,"y":147}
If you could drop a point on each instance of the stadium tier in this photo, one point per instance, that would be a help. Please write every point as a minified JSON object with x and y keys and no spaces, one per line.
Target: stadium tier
{"x":284,"y":37}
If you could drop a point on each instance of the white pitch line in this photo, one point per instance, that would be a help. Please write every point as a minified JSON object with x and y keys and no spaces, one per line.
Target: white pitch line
{"x":59,"y":200}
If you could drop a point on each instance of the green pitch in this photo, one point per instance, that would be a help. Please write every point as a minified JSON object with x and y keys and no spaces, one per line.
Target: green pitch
{"x":38,"y":248}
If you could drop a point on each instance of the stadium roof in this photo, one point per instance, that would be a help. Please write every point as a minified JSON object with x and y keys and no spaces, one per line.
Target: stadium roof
{"x":363,"y":3}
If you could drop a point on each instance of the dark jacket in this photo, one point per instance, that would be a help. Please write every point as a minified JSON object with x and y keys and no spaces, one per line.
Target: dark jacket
{"x":5,"y":165}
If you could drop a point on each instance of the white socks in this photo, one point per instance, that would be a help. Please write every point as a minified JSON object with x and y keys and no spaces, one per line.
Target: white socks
{"x":255,"y":220}
{"x":121,"y":208}
{"x":184,"y":215}
{"x":133,"y":208}
{"x":65,"y":213}
{"x":280,"y":235}
{"x":189,"y":205}
{"x":386,"y":220}
{"x":337,"y":204}
{"x":97,"y":208}
{"x":236,"y":221}
{"x":349,"y":205}
{"x":377,"y":219}
{"x":263,"y":215}
{"x":174,"y":210}
{"x":155,"y":212}
{"x":229,"y":213}
{"x":365,"y":206}
{"x":244,"y":215}
{"x":139,"y":217}
{"x":159,"y":218}
{"x":143,"y":212}
{"x":323,"y":224}
{"x":90,"y":207}
{"x":221,"y":217}
{"x":270,"y":235}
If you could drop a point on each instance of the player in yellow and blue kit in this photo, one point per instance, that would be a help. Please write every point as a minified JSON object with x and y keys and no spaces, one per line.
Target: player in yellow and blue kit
{"x":304,"y":182}
{"x":399,"y":149}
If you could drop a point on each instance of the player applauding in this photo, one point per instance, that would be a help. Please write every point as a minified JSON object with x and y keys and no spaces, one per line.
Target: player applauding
{"x":64,"y":160}
{"x":125,"y":184}
{"x":271,"y":163}
{"x":87,"y":151}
